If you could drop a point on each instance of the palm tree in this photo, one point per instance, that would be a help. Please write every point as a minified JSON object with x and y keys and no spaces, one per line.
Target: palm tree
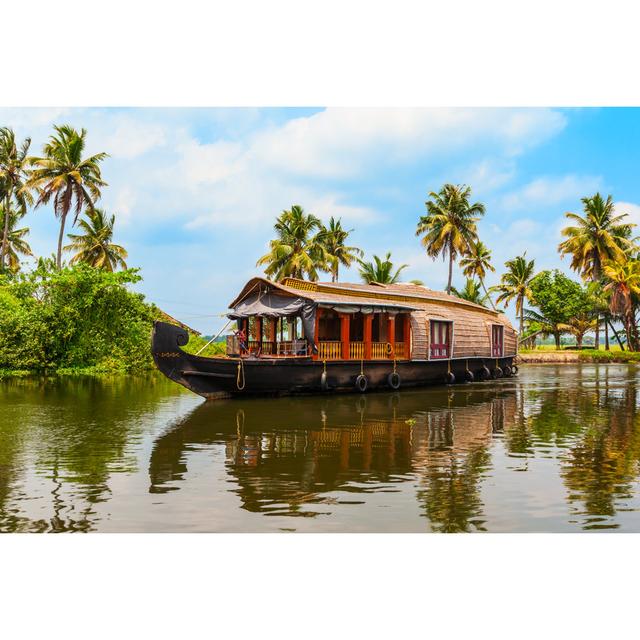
{"x":471,"y":292}
{"x":449,"y":228}
{"x":15,"y":244}
{"x":380,"y":271}
{"x":65,"y":175}
{"x":538,"y":324}
{"x":476,"y":264}
{"x":515,"y":284}
{"x":624,"y":284}
{"x":599,"y":302}
{"x":13,"y":169}
{"x":596,"y":237}
{"x":95,"y":247}
{"x":297,"y":250}
{"x":333,"y":239}
{"x":579,"y":325}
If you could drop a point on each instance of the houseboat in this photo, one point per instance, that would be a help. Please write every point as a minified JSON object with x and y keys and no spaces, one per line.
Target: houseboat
{"x":296,"y":336}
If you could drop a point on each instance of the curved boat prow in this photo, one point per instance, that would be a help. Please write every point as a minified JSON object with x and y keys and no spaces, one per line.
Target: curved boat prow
{"x":181,"y":367}
{"x":166,"y":341}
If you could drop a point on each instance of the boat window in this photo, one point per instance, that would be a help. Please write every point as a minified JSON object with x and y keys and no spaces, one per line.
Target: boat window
{"x":440,"y":339}
{"x":497,"y":340}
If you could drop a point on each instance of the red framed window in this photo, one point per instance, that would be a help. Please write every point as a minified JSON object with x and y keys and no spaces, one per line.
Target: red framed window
{"x":440,"y":339}
{"x":497,"y":341}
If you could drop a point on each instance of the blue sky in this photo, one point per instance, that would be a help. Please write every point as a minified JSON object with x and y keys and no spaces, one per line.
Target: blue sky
{"x":196,"y":191}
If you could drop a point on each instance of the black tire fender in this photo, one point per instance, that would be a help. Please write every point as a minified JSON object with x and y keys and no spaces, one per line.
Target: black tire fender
{"x":497,"y":373}
{"x":514,"y":369}
{"x":450,"y":378}
{"x":468,"y":376}
{"x":393,"y":380}
{"x":507,"y":371}
{"x":362,"y":383}
{"x":485,"y":374}
{"x":324,"y":383}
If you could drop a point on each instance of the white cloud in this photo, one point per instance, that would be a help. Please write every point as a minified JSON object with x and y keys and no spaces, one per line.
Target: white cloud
{"x":551,"y":191}
{"x":632,"y":210}
{"x":126,"y":137}
{"x":210,"y":163}
{"x":487,"y":174}
{"x":340,"y":142}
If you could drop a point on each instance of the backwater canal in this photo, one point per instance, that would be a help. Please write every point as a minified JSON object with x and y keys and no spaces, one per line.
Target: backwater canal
{"x":556,"y":449}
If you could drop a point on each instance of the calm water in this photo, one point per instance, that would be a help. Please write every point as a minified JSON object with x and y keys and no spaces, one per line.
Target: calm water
{"x":557,"y":449}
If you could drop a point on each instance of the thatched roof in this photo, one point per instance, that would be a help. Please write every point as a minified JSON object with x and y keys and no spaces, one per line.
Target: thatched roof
{"x":348,"y":293}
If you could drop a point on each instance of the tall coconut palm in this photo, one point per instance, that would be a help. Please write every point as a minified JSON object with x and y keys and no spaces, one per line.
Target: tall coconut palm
{"x":297,"y":250}
{"x":332,"y":238}
{"x":597,"y":236}
{"x":14,"y":164}
{"x":95,"y":246}
{"x":476,"y":263}
{"x":15,"y":244}
{"x":515,"y":284}
{"x":449,"y":228}
{"x":380,"y":271}
{"x":66,"y":176}
{"x":471,"y":292}
{"x":624,"y":284}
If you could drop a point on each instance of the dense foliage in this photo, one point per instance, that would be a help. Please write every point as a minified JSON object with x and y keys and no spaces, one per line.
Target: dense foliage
{"x":75,"y":318}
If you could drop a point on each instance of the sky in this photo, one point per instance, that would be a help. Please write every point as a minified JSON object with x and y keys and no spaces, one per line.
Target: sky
{"x":196,"y":191}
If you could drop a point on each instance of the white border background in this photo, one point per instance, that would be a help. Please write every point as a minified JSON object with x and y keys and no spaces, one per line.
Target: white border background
{"x":343,"y":53}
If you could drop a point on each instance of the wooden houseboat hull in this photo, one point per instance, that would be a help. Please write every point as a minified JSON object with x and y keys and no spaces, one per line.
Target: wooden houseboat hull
{"x":227,"y":377}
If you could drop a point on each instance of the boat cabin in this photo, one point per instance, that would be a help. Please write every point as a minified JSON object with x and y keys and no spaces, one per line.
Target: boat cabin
{"x":343,"y":321}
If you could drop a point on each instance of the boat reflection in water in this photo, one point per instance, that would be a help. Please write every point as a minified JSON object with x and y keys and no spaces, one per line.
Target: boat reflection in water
{"x":309,"y":456}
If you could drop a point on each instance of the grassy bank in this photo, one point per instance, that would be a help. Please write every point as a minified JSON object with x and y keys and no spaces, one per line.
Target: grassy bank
{"x":586,"y":355}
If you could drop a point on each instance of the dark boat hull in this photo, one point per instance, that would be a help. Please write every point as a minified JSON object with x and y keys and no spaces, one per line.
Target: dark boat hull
{"x":226,"y":377}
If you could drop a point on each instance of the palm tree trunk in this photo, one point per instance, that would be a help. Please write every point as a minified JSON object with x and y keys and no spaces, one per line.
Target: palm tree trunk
{"x":606,"y":334}
{"x":597,"y":332}
{"x":556,"y":336}
{"x":615,"y":333}
{"x":627,"y":329}
{"x":5,"y":232}
{"x":487,"y":294}
{"x":63,"y":219}
{"x":634,"y":329}
{"x":450,"y":270}
{"x":522,"y":319}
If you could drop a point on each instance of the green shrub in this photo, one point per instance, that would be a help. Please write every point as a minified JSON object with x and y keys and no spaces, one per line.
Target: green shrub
{"x":75,"y":318}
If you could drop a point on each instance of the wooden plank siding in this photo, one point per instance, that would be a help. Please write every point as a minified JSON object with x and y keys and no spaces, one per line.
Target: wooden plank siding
{"x":471,"y":332}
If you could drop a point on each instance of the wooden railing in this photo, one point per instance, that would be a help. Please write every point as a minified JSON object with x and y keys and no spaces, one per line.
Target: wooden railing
{"x":380,"y":350}
{"x":356,"y":350}
{"x":400,"y":350}
{"x":284,"y":348}
{"x":330,"y":350}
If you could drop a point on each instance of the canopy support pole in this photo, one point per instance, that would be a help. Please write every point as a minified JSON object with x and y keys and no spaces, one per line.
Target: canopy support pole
{"x":214,"y":338}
